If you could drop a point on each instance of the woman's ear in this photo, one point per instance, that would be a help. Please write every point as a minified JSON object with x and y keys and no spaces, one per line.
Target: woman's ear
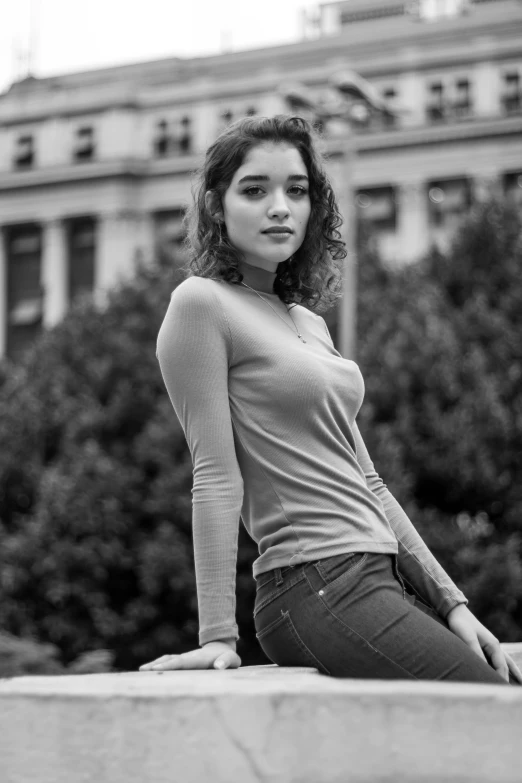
{"x":213,"y":205}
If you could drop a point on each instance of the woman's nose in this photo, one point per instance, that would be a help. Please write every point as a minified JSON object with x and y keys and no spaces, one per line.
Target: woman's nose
{"x":279,"y":205}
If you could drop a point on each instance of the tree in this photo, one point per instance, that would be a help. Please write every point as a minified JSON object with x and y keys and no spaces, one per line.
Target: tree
{"x":95,"y":474}
{"x":440,"y":350}
{"x":95,"y":478}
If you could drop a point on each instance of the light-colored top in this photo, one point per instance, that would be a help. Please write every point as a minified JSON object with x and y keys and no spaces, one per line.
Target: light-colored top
{"x":270,"y":424}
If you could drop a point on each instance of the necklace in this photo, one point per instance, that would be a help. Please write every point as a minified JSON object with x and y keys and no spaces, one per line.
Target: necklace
{"x":275,"y":311}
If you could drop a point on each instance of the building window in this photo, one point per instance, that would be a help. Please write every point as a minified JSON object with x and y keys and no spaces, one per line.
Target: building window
{"x":161,"y":141}
{"x":84,"y":145}
{"x":24,"y":152}
{"x":513,"y":187}
{"x":462,"y":103}
{"x":378,"y":207}
{"x":511,"y":96}
{"x":174,"y":138}
{"x":24,"y":288}
{"x":370,"y":14}
{"x":448,"y":199}
{"x":435,"y":109}
{"x":185,"y":136}
{"x":81,"y":242}
{"x":224,"y":120}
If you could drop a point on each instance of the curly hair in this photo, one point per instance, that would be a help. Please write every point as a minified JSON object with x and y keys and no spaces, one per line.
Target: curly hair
{"x":310,"y":276}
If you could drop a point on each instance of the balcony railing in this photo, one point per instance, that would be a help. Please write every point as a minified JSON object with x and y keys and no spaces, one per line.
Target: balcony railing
{"x":449,"y":111}
{"x":462,"y":110}
{"x":512,"y":104}
{"x":436,"y":113}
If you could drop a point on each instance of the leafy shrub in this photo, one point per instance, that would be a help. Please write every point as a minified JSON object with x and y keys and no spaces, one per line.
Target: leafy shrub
{"x":440,"y":347}
{"x":96,"y":559}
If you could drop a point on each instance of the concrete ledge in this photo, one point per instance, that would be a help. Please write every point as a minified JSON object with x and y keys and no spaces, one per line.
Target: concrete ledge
{"x":256,"y":723}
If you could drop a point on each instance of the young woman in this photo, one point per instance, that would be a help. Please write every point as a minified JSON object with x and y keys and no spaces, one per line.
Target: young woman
{"x":268,"y":407}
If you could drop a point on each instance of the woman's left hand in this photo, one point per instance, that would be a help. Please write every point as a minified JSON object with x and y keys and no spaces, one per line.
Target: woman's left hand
{"x":465,"y":625}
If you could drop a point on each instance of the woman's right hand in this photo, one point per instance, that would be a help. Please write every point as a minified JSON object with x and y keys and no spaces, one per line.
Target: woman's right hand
{"x":207,"y":657}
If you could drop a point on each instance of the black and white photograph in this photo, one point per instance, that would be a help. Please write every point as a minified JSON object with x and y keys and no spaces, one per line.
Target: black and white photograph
{"x":261,"y":391}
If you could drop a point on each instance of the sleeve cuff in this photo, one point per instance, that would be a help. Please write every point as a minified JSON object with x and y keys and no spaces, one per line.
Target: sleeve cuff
{"x":218,"y":632}
{"x":448,"y":603}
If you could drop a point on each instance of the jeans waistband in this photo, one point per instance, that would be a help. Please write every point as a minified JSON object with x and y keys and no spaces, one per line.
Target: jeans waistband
{"x":276,"y":575}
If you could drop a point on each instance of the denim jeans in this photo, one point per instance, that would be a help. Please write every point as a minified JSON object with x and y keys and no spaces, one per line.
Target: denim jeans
{"x":351,"y":616}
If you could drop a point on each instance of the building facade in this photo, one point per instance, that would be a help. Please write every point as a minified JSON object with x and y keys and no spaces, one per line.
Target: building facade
{"x":95,"y":167}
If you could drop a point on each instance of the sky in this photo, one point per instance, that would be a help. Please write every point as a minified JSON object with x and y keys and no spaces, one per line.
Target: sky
{"x":71,"y":35}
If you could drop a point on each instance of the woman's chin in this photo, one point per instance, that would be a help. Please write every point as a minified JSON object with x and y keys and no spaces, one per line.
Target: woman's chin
{"x":280,"y":257}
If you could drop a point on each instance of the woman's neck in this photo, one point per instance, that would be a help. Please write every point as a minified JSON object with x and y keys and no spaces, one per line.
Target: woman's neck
{"x":261,"y":280}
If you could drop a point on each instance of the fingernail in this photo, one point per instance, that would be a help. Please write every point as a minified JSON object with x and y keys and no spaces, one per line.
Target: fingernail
{"x":220,"y":665}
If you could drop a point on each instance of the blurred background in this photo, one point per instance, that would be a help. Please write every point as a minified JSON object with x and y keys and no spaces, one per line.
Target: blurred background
{"x":105,"y":112}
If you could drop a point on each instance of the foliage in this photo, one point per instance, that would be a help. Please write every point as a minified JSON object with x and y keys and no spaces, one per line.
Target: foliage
{"x":442,"y":416}
{"x":95,"y":485}
{"x":96,"y":558}
{"x":20,"y":657}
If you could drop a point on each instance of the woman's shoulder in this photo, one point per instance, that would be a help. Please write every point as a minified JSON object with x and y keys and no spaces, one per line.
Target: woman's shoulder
{"x":195,"y":283}
{"x":194,"y":304}
{"x":194,"y":289}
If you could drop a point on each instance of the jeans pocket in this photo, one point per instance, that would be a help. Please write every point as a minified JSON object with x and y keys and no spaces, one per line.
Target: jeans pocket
{"x":282,"y":644}
{"x":269,"y":593}
{"x":341,"y":568}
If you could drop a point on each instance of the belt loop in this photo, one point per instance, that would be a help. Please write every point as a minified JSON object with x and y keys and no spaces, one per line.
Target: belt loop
{"x":278,"y":576}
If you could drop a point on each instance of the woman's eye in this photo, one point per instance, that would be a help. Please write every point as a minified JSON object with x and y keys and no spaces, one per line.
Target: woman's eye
{"x":301,"y":191}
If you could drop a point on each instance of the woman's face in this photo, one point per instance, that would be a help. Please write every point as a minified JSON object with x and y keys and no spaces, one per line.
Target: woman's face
{"x":268,"y":190}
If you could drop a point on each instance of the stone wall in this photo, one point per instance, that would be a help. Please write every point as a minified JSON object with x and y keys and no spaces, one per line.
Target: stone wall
{"x":256,"y":723}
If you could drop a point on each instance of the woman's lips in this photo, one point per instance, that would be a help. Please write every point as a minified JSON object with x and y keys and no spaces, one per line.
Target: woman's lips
{"x":280,"y":235}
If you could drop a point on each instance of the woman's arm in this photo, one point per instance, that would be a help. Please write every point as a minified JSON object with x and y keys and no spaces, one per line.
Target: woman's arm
{"x":417,"y":564}
{"x":194,"y":351}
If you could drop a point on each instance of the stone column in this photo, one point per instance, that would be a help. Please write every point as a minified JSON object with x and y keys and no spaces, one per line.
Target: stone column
{"x":341,"y":171}
{"x":3,"y":294}
{"x":117,"y":247}
{"x":55,"y":274}
{"x":412,"y":221}
{"x":145,"y":237}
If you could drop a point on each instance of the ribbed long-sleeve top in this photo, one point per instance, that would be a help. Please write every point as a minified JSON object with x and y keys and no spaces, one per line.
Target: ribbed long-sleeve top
{"x":270,"y":422}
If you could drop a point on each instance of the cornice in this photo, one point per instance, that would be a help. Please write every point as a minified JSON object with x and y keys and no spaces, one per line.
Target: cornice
{"x":179,"y":97}
{"x":89,"y":108}
{"x":365,"y":144}
{"x":414,"y":47}
{"x":464,"y":131}
{"x":132,"y":168}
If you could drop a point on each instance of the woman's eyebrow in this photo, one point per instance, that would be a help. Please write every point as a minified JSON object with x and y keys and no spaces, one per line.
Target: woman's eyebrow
{"x":264,"y":178}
